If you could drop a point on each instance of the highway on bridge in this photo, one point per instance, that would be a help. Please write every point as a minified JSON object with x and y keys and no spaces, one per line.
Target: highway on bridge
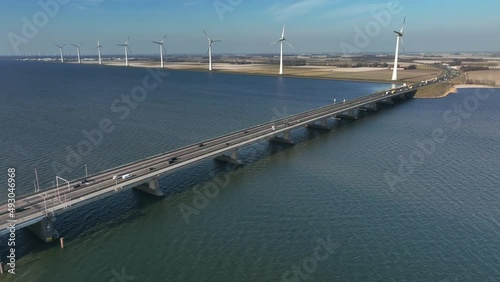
{"x":35,"y":207}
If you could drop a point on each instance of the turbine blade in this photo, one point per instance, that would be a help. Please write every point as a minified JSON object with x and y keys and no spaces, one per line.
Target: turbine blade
{"x":156,"y":42}
{"x":129,"y":49}
{"x":279,"y":40}
{"x":402,"y":27}
{"x":289,"y":44}
{"x":283,"y":33}
{"x":164,"y":38}
{"x":207,"y":35}
{"x":74,"y":45}
{"x":164,"y":51}
{"x":81,"y":43}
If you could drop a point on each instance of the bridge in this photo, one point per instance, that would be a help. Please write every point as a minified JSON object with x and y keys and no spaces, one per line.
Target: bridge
{"x":37,"y":211}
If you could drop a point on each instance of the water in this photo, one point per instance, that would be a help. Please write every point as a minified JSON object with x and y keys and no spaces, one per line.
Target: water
{"x":440,"y":222}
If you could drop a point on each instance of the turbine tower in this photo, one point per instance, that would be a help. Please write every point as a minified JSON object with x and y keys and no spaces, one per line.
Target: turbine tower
{"x":99,"y":52}
{"x":78,"y":51}
{"x":126,"y":50}
{"x":61,"y":49}
{"x":281,"y":40}
{"x":399,"y":35}
{"x":162,"y":49}
{"x":210,"y":41}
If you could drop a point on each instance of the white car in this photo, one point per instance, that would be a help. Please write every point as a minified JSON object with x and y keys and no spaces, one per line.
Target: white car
{"x":125,"y":176}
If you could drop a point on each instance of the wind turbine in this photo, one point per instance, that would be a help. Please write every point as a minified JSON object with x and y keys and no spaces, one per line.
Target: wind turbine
{"x":126,"y":50}
{"x":99,"y":52}
{"x":281,"y":40}
{"x":61,"y":49}
{"x":162,"y":48}
{"x":78,"y":51}
{"x":210,"y":41}
{"x":399,"y":35}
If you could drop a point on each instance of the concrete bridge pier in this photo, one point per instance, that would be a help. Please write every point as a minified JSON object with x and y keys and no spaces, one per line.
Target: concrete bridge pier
{"x":322,"y":125}
{"x":233,"y":158}
{"x":349,"y":114}
{"x":372,"y":107}
{"x":152,"y":187}
{"x":400,"y":97}
{"x":410,"y":95}
{"x":386,"y":101}
{"x":44,"y":229}
{"x":234,"y":154}
{"x":286,"y":139}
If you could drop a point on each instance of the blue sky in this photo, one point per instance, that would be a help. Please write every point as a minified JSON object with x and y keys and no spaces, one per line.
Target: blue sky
{"x":249,"y":26}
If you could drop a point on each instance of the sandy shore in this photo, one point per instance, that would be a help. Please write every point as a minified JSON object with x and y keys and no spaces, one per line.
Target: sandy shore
{"x":465,"y":86}
{"x":444,"y":89}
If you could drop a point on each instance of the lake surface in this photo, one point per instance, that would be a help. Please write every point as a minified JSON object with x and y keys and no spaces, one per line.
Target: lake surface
{"x":408,"y":194}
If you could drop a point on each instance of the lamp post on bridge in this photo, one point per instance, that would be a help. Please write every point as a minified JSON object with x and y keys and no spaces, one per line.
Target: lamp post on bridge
{"x":44,"y":196}
{"x":36,"y":182}
{"x":56,"y":195}
{"x":57,"y":181}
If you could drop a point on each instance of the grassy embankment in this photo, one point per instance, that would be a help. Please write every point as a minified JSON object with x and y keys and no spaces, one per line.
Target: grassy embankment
{"x":440,"y":90}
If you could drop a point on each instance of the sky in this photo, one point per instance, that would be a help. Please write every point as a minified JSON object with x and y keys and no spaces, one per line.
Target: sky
{"x":248,"y":26}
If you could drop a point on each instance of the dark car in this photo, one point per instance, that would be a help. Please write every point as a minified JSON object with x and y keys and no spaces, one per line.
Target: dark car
{"x":201,"y":145}
{"x":21,"y":209}
{"x":173,"y":160}
{"x":77,"y":186}
{"x":86,"y":181}
{"x":152,"y":168}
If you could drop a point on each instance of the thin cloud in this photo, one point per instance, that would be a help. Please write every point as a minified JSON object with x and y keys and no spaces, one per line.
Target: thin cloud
{"x":355,"y":10}
{"x":299,"y":8}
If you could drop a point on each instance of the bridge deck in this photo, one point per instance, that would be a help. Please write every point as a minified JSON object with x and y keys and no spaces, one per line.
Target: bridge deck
{"x":63,"y":198}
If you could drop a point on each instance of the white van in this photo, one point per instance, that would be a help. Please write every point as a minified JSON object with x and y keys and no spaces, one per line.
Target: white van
{"x":125,"y":176}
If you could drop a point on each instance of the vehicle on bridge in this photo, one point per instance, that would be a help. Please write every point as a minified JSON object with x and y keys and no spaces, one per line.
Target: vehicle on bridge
{"x":173,"y":160}
{"x":22,"y":209}
{"x":86,"y":181}
{"x":125,"y":176}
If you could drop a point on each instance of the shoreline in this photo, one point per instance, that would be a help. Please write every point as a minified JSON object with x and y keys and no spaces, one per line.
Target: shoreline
{"x":468,"y":86}
{"x":195,"y":67}
{"x":453,"y":89}
{"x":443,"y":89}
